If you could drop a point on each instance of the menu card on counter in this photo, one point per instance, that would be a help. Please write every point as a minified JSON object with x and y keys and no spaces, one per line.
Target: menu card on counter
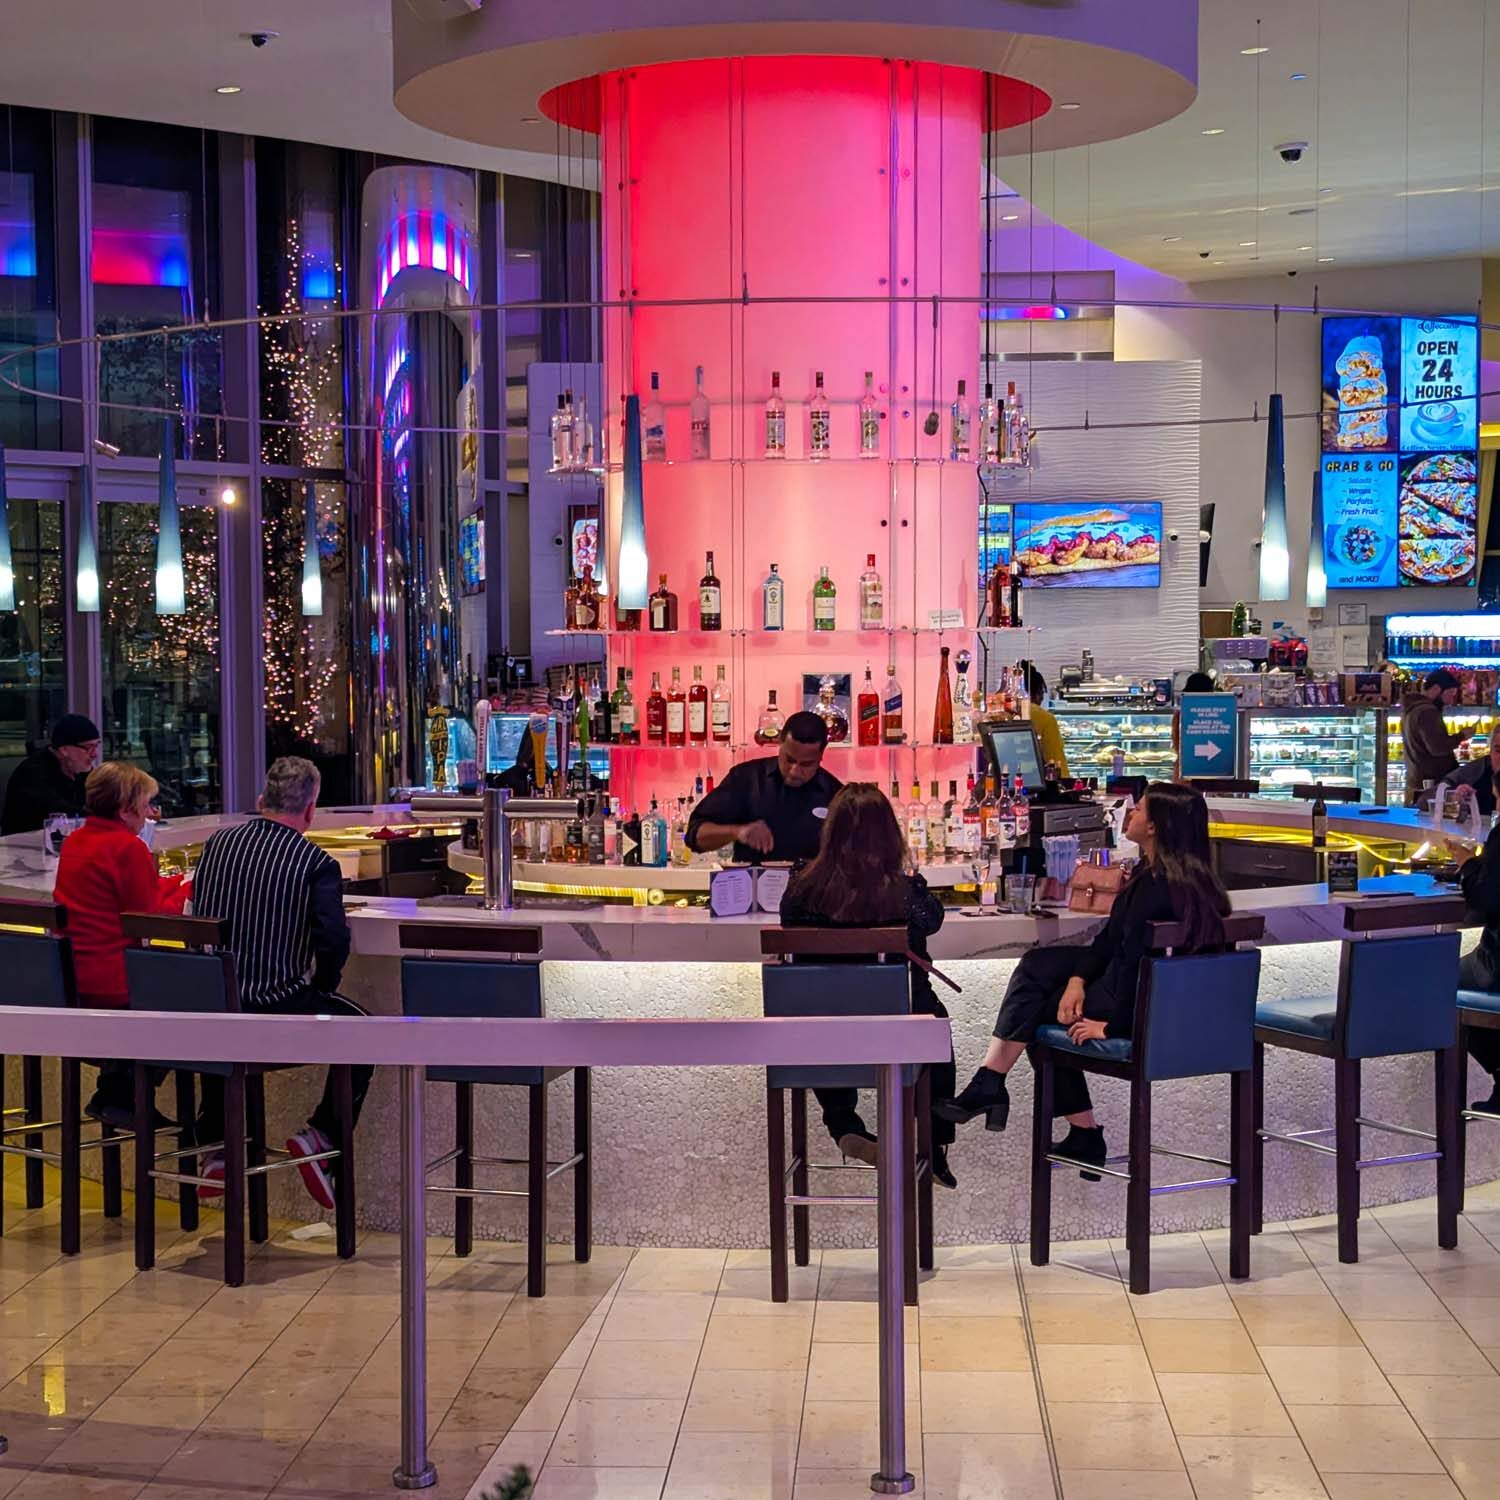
{"x":741,"y":889}
{"x":1343,"y":872}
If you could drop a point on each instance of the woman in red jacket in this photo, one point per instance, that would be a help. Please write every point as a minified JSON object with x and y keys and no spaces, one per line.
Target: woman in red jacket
{"x":104,"y":870}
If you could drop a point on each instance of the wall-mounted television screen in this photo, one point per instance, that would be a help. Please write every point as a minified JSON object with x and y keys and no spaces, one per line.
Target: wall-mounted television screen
{"x":1400,"y":465}
{"x":1083,"y":546}
{"x":471,"y":551}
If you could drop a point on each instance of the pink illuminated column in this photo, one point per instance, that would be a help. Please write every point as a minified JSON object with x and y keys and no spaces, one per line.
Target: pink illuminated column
{"x":760,"y":215}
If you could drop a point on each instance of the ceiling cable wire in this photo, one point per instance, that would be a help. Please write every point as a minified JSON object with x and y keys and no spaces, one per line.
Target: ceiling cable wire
{"x":1260,"y":57}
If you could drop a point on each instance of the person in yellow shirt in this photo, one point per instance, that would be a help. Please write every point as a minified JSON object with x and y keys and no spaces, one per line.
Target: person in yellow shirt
{"x":1044,"y":721}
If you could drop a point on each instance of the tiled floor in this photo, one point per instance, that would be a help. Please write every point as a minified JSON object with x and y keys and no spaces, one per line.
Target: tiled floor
{"x":669,"y":1375}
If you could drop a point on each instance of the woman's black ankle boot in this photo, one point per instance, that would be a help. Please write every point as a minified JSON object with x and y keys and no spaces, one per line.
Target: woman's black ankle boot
{"x":984,"y":1094}
{"x":1083,"y":1144}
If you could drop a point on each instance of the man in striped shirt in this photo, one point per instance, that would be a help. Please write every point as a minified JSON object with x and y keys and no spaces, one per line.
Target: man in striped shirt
{"x":282,"y":897}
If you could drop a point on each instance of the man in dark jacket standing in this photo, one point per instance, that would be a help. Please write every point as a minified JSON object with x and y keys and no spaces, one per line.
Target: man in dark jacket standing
{"x":1426,"y":740}
{"x":50,"y":780}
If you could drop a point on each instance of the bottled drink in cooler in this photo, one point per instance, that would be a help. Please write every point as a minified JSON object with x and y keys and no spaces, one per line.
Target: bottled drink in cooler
{"x":942,"y":714}
{"x":773,"y":601}
{"x":891,"y":730}
{"x":819,"y":444}
{"x":871,"y":597}
{"x":654,"y":424}
{"x":698,"y":430}
{"x":867,"y":712}
{"x":676,"y":710}
{"x":824,"y":597}
{"x":697,"y":709}
{"x":869,"y":420}
{"x":770,"y":723}
{"x":718,"y":709}
{"x":775,"y":419}
{"x":710,"y":598}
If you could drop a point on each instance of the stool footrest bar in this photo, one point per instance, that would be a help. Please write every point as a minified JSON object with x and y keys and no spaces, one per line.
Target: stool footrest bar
{"x":1396,"y":1161}
{"x":1212,"y":1161}
{"x":831,"y":1200}
{"x":1087,"y":1166}
{"x":1411,"y":1130}
{"x":1188,"y":1187}
{"x":1297,"y":1140}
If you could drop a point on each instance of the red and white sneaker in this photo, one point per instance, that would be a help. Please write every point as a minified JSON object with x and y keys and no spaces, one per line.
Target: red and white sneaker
{"x":213,"y":1166}
{"x":315,"y":1179}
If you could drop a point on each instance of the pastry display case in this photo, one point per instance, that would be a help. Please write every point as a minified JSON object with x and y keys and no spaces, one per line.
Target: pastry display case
{"x":1092,"y":737}
{"x":1286,"y":747}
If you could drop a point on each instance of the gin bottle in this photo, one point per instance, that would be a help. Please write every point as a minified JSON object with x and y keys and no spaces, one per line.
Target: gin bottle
{"x":824,"y":596}
{"x":773,"y":601}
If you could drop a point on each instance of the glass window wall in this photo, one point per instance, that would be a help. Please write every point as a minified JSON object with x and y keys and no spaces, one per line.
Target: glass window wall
{"x":32,"y":684}
{"x":28,"y":279}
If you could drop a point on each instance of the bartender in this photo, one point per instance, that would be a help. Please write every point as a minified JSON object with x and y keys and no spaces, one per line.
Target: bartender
{"x":771,"y":809}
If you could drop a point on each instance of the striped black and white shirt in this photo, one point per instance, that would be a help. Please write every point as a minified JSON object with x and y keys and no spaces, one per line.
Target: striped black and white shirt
{"x":283,"y":899}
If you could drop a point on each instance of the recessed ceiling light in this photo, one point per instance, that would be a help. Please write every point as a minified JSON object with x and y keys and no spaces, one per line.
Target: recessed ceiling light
{"x":1299,"y":77}
{"x":1009,"y":218}
{"x":1253,"y":51}
{"x":1323,"y":260}
{"x":1304,"y":247}
{"x":1321,"y":191}
{"x":1170,"y":239}
{"x":1071,"y":104}
{"x":1247,"y":244}
{"x":1217,"y":130}
{"x":227,"y":88}
{"x":1218,"y":262}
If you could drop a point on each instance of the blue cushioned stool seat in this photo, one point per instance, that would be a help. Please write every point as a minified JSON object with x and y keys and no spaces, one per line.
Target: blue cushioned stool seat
{"x":1479,"y":1000}
{"x":1114,"y":1048}
{"x":1310,"y":1015}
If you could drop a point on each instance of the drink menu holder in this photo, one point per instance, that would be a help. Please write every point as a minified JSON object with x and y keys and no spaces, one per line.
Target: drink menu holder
{"x":738,"y":890}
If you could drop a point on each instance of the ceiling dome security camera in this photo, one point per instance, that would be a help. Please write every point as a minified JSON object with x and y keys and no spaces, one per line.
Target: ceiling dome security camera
{"x":1291,"y":152}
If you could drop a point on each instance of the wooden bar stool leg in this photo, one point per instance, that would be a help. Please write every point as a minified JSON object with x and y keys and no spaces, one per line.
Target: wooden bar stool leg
{"x":1041,"y":1168}
{"x":536,"y":1188}
{"x":583,"y":1173}
{"x":145,"y":1191}
{"x":801,"y":1214}
{"x":343,"y":1174}
{"x":187,"y":1135}
{"x":776,"y":1175}
{"x":909,"y":1195}
{"x":255,"y":1156}
{"x":109,"y":1169}
{"x":234,"y":1177}
{"x":463,"y":1167}
{"x":924,"y":1185}
{"x":1241,"y":1168}
{"x":1346,"y":1155}
{"x":70,"y":1105}
{"x":1257,"y":1141}
{"x":1449,"y":1131}
{"x":31,"y":1085}
{"x":1138,"y":1189}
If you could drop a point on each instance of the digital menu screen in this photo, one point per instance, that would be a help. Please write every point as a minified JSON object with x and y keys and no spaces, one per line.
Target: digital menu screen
{"x":1400,"y":436}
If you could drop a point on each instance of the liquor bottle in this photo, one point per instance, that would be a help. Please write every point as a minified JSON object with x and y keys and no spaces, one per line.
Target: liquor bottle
{"x":594,"y":831}
{"x":627,"y":731}
{"x":1022,"y":804}
{"x":697,"y":709}
{"x":583,"y":726}
{"x":719,"y":708}
{"x":586,"y":601}
{"x":936,"y":827}
{"x":612,"y":851}
{"x":574,"y":849}
{"x":653,"y":838}
{"x":942,"y":714}
{"x":1018,"y":676}
{"x":953,"y":823}
{"x":997,"y":598}
{"x":1007,"y":812}
{"x":989,"y":819}
{"x":773,"y":601}
{"x":663,"y":607}
{"x":562,"y":458}
{"x":1320,"y":822}
{"x":775,"y":419}
{"x":676,"y":710}
{"x":891,"y":730}
{"x":867,"y":712}
{"x":973,"y":815}
{"x":963,"y":701}
{"x":656,"y":713}
{"x":710,"y":599}
{"x":1018,"y":433}
{"x":869,"y":420}
{"x":602,"y":713}
{"x":818,"y":445}
{"x":828,"y":710}
{"x":702,"y":447}
{"x":916,"y":825}
{"x":871,"y":597}
{"x":824,"y":595}
{"x":630,"y":839}
{"x":958,"y":446}
{"x":583,"y":434}
{"x":654,"y":424}
{"x":770,"y":723}
{"x":570,"y":601}
{"x":989,"y":426}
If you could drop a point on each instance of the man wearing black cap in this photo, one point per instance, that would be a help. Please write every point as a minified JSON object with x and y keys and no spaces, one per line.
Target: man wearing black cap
{"x":50,"y":780}
{"x":771,"y":808}
{"x":1425,"y":739}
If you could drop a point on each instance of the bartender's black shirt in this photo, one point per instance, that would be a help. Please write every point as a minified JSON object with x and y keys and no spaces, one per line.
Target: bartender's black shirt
{"x":754,"y":792}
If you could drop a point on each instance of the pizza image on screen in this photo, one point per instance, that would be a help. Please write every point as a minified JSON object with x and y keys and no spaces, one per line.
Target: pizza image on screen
{"x":1437,"y":559}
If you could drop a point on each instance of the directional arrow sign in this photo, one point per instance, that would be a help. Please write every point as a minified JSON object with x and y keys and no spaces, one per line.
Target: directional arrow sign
{"x":1207,"y":750}
{"x":1207,"y":732}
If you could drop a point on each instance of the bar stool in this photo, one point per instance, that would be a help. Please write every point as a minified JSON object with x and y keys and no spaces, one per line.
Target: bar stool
{"x":37,"y":960}
{"x":855,"y":977}
{"x":1478,"y":1010}
{"x":1393,"y":999}
{"x":194,"y":977}
{"x":498,"y":983}
{"x":1194,"y":1018}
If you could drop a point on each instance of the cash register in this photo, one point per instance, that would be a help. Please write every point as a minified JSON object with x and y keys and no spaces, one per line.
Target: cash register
{"x":1012,"y":749}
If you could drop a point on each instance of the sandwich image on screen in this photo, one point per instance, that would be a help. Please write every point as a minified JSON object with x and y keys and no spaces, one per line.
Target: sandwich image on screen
{"x":1089,"y":546}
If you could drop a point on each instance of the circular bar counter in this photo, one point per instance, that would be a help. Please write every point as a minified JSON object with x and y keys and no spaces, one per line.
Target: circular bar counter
{"x":680,"y":1156}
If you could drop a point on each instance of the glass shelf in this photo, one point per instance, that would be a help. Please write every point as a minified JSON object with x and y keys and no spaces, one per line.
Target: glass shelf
{"x":718,"y":745}
{"x":811,"y":635}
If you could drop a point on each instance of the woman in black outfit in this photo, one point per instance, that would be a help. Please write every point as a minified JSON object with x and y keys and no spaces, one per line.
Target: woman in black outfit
{"x":1092,"y":990}
{"x":863,"y":877}
{"x":1479,"y":880}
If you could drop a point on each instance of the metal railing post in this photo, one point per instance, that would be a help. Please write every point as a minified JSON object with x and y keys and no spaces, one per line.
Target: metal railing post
{"x":495,"y":851}
{"x":416,"y":1471}
{"x":892,"y":1477}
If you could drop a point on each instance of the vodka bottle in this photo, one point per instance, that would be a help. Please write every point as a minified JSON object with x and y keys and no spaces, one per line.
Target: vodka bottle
{"x":963,"y":702}
{"x":654,"y":424}
{"x":891,"y":730}
{"x":1006,"y":433}
{"x":871,"y":597}
{"x":824,"y":596}
{"x":562,"y":457}
{"x":953,"y":823}
{"x":583,"y":436}
{"x":697,"y":709}
{"x":818,"y":432}
{"x":775,"y":419}
{"x":770,"y":723}
{"x":869,"y":420}
{"x":989,"y":427}
{"x":1020,"y":433}
{"x":701,"y":445}
{"x":773,"y":601}
{"x":718,"y":709}
{"x":676,"y":710}
{"x":958,"y":446}
{"x":916,"y":825}
{"x":867,"y":712}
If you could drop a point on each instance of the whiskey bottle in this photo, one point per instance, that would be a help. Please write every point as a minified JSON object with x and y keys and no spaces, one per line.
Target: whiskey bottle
{"x":891,"y":730}
{"x":775,"y":419}
{"x":818,"y":443}
{"x":586,"y":602}
{"x":697,"y":709}
{"x":867,"y":712}
{"x":627,"y":731}
{"x":663,"y":607}
{"x":676,"y":710}
{"x":824,"y":595}
{"x":710,"y":599}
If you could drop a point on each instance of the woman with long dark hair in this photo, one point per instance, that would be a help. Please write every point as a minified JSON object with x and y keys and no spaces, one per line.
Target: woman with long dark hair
{"x":863,"y":877}
{"x":1092,"y":990}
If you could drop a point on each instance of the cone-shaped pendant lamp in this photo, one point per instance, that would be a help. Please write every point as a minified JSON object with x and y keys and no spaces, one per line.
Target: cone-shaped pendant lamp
{"x":86,"y":579}
{"x":634,"y":567}
{"x":1317,"y":577}
{"x":312,"y":567}
{"x":171,"y":595}
{"x":1275,"y":559}
{"x":7,"y":570}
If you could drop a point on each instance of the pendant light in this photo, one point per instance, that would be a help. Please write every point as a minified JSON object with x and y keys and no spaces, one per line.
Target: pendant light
{"x":1317,"y":576}
{"x":312,"y":568}
{"x":1275,"y":559}
{"x":7,"y":570}
{"x":86,"y":578}
{"x":634,"y":565}
{"x":171,"y":594}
